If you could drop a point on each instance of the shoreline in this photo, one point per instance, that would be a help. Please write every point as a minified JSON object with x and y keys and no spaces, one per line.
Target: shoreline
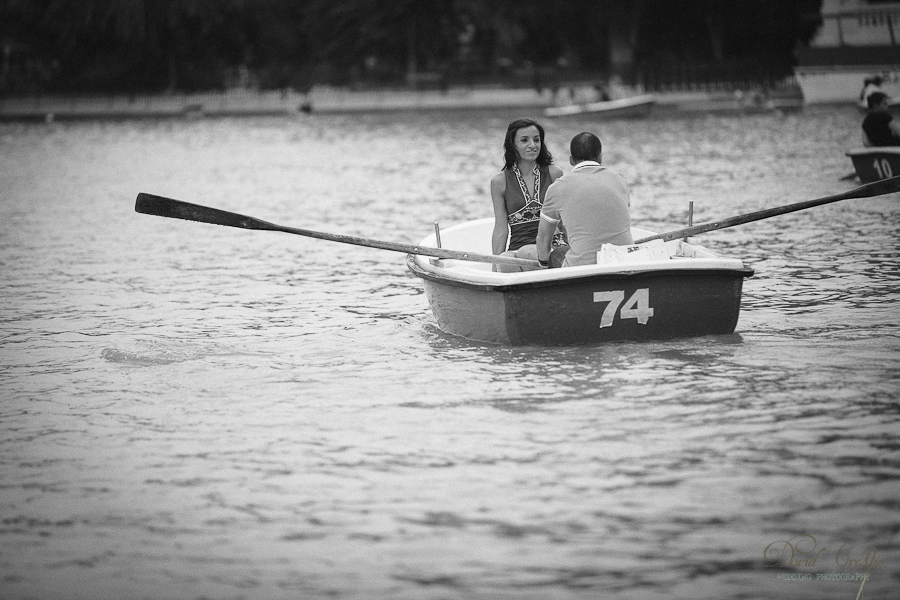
{"x":343,"y":101}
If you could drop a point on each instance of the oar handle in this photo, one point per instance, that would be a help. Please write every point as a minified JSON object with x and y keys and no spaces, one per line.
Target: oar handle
{"x":176,"y":209}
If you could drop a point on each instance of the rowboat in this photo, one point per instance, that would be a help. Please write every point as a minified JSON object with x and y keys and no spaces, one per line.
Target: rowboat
{"x":876,"y":163}
{"x":660,"y":287}
{"x":625,"y":108}
{"x":655,"y":290}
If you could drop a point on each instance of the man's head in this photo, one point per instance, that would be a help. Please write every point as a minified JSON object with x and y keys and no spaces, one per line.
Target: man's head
{"x":585,"y":146}
{"x":876,"y":99}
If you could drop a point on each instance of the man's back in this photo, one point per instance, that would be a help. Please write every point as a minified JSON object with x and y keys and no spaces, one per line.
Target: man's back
{"x":592,"y":203}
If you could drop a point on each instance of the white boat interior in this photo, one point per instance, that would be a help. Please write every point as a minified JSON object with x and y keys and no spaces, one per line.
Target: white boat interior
{"x":475,"y":236}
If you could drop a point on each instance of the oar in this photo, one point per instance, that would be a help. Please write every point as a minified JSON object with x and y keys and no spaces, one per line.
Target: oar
{"x":149,"y":204}
{"x":885,"y":186}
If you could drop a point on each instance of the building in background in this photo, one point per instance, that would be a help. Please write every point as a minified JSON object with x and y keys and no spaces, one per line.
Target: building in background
{"x":858,"y":40}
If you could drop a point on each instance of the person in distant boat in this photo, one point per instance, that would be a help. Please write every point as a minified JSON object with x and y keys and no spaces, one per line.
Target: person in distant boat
{"x":870,"y":86}
{"x":880,"y":128}
{"x":591,"y":202}
{"x":518,"y":191}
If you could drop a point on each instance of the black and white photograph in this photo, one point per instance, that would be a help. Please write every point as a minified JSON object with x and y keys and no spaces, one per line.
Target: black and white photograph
{"x":449,"y":299}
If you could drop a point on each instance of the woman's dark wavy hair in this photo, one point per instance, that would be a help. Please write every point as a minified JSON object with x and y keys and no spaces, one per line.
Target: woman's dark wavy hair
{"x":510,"y":156}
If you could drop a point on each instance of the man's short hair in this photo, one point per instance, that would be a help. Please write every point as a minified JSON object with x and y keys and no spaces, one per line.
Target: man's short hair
{"x":876,"y":98}
{"x":585,"y":146}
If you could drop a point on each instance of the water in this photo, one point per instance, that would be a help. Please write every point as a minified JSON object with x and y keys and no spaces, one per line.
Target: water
{"x":192,"y":411}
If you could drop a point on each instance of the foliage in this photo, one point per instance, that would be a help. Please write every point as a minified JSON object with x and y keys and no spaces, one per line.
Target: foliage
{"x":167,"y":45}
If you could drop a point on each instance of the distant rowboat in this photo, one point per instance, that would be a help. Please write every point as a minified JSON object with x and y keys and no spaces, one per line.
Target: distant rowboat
{"x":625,"y":108}
{"x":876,"y":163}
{"x":656,"y":290}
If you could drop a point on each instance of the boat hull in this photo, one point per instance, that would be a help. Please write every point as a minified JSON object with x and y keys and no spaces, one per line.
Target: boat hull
{"x":876,"y":163}
{"x":656,"y":290}
{"x":596,"y":308}
{"x":841,"y":84}
{"x":637,"y":107}
{"x":855,"y":41}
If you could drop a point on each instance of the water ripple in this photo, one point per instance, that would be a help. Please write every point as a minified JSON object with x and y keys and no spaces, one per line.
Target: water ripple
{"x":192,"y":410}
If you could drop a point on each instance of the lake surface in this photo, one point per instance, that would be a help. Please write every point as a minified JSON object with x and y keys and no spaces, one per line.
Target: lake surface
{"x":193,"y":411}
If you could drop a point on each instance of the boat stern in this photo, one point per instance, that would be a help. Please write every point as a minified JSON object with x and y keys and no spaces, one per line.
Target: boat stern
{"x":660,"y":290}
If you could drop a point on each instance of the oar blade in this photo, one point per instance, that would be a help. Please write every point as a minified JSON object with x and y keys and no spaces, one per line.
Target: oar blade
{"x":150,"y":204}
{"x":877,"y":188}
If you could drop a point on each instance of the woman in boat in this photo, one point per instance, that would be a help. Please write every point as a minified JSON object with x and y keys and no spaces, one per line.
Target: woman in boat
{"x":518,"y":190}
{"x":870,"y":86}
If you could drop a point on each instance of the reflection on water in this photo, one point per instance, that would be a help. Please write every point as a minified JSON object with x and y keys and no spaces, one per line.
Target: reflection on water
{"x":199,"y":411}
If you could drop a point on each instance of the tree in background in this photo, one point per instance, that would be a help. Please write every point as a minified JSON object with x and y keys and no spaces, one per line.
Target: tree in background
{"x":726,"y":38}
{"x":133,"y":45}
{"x":167,"y":45}
{"x":381,"y":41}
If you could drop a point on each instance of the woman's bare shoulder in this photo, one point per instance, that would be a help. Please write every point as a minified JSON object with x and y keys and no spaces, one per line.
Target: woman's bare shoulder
{"x":498,"y":182}
{"x":555,"y":173}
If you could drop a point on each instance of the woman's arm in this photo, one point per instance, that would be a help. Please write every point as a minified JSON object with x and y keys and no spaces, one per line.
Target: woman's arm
{"x":555,"y":173}
{"x":544,"y":241}
{"x":500,"y":235}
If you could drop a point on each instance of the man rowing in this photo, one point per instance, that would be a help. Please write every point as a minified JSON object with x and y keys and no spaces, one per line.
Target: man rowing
{"x":590,"y":202}
{"x":880,"y":128}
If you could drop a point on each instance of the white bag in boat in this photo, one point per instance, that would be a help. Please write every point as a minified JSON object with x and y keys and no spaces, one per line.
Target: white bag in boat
{"x":610,"y":254}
